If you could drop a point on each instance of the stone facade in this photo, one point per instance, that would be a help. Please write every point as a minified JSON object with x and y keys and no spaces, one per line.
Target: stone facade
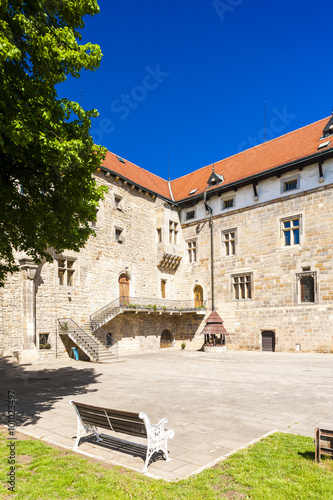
{"x":164,"y":252}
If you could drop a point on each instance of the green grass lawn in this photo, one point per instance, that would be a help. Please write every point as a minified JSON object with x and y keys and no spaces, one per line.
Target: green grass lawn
{"x":279,"y":467}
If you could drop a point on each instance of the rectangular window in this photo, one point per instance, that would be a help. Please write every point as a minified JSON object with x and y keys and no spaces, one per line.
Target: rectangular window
{"x":190,"y":215}
{"x":290,"y":184}
{"x":173,"y":232}
{"x":228,"y":203}
{"x":44,"y":341}
{"x":229,"y":239}
{"x":307,"y":282}
{"x":163,"y":289}
{"x":117,"y":203}
{"x":192,"y":251}
{"x":291,"y":231}
{"x":119,"y":235}
{"x":159,"y":235}
{"x":66,"y":272}
{"x":242,"y":286}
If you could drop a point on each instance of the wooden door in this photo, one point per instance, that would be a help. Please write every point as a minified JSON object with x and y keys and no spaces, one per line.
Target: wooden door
{"x":124,"y":289}
{"x":166,"y":339}
{"x":198,"y":296}
{"x":268,"y":341}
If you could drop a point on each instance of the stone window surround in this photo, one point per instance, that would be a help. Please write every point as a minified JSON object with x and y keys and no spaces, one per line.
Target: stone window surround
{"x":227,"y":199}
{"x":118,"y":202}
{"x":186,"y":217}
{"x":306,"y":273}
{"x":248,"y":278}
{"x":291,"y":178}
{"x":119,"y":236}
{"x":224,"y":241}
{"x":282,"y":230}
{"x":191,"y":250}
{"x":173,"y":232}
{"x":74,"y":268}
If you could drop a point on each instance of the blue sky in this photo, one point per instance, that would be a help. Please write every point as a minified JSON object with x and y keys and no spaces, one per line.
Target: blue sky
{"x":192,"y":77}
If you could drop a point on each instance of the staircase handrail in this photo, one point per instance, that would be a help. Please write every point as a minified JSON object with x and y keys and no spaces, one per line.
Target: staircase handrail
{"x":97,"y":327}
{"x":76,"y":327}
{"x":139,"y":302}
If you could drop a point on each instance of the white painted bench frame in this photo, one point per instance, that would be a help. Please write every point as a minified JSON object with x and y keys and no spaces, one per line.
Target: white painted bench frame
{"x":156,"y":434}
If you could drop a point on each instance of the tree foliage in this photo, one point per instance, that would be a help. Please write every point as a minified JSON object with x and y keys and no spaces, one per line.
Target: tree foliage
{"x":47,"y":155}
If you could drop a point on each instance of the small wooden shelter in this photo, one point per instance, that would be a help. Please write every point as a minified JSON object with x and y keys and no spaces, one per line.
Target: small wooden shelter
{"x":214,"y":330}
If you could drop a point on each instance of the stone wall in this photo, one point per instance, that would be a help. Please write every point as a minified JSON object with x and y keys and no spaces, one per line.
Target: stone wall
{"x":275,"y":303}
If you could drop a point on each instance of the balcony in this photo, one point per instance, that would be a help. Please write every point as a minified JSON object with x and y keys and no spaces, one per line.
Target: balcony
{"x":149,"y":306}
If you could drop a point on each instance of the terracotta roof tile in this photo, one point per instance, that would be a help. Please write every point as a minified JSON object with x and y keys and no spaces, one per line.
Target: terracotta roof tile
{"x":287,"y":148}
{"x":137,"y":174}
{"x":259,"y":159}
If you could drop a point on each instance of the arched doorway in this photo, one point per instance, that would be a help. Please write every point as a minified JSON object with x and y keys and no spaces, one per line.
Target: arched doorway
{"x":198,"y":296}
{"x":166,"y":339}
{"x":124,"y":288}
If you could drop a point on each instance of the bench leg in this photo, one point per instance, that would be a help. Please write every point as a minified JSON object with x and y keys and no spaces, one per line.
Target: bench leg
{"x":162,"y":446}
{"x":85,"y":429}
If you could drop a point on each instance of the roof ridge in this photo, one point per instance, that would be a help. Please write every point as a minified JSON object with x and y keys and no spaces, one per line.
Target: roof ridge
{"x":138,"y":166}
{"x":253,"y":147}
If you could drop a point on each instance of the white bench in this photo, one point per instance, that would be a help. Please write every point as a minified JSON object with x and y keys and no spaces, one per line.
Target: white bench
{"x":89,"y":418}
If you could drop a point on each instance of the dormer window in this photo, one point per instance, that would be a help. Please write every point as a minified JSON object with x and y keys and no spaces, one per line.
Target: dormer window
{"x":215,"y":179}
{"x":328,"y":130}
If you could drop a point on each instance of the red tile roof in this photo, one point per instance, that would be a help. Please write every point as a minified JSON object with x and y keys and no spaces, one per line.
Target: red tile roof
{"x":137,"y":175}
{"x":288,"y":148}
{"x":285,"y":149}
{"x":214,"y":325}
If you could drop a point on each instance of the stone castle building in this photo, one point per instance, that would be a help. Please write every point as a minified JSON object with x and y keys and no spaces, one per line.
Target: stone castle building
{"x":256,"y":226}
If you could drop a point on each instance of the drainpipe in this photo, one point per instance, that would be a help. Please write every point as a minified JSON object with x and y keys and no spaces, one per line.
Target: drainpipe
{"x":210,"y":210}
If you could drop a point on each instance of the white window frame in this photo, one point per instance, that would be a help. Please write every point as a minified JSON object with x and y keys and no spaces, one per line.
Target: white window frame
{"x":284,"y":230}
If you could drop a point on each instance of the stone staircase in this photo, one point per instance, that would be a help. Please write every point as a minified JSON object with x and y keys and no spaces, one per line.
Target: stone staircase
{"x":86,"y":340}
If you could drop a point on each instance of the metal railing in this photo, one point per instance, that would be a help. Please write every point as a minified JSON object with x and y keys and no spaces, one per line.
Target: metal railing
{"x":85,"y":341}
{"x":110,"y":341}
{"x":138,"y":303}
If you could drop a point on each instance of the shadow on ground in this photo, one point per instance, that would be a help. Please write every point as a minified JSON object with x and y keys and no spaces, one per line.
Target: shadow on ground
{"x":123,"y":446}
{"x":38,"y":389}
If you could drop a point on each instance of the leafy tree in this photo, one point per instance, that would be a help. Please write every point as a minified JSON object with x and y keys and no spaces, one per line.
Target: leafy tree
{"x":47,"y":155}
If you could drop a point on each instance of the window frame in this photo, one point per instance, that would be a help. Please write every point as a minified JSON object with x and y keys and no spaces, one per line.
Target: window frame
{"x":119,"y":239}
{"x":67,"y":270}
{"x":288,"y":180}
{"x":226,"y":200}
{"x":173,"y":232}
{"x":117,"y":200}
{"x":247,"y":291}
{"x":314,"y":292}
{"x":224,"y":232}
{"x":291,"y":228}
{"x":192,"y":211}
{"x":191,"y":249}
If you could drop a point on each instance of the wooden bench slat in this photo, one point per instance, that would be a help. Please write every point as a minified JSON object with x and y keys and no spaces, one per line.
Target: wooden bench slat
{"x":109,"y":410}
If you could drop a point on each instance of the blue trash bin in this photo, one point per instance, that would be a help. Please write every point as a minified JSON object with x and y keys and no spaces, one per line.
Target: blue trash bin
{"x":75,"y":353}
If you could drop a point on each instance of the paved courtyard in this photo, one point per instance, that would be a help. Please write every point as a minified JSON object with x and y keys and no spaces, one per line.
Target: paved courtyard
{"x":215,"y":403}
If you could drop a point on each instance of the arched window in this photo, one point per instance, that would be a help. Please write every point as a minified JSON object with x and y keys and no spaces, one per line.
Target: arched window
{"x":198,"y":296}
